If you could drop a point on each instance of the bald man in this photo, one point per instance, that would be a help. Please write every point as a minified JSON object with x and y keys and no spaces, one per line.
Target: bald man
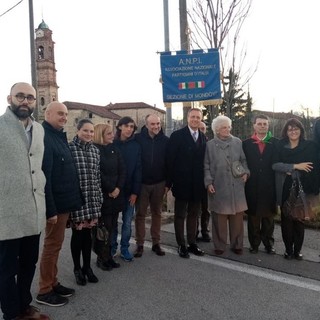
{"x":62,"y":193}
{"x":22,"y":202}
{"x":153,"y":144}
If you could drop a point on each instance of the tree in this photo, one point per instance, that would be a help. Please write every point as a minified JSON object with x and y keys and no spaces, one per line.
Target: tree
{"x":217,"y":24}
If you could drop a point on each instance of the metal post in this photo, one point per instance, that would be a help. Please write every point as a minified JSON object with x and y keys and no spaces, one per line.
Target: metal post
{"x":169,"y":128}
{"x":184,"y":43}
{"x":33,"y":55}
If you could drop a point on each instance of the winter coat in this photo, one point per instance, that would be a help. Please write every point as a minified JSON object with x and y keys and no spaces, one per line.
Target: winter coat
{"x":22,"y":182}
{"x":113,"y":175}
{"x":62,"y":190}
{"x":285,"y":158}
{"x":260,"y":188}
{"x":87,"y":161}
{"x":185,"y":164}
{"x":131,"y":153}
{"x":229,"y":197}
{"x":153,"y":151}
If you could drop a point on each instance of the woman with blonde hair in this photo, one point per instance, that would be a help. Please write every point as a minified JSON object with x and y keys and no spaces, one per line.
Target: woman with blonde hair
{"x":113,"y":175}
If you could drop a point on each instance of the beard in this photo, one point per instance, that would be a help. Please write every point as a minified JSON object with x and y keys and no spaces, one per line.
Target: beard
{"x":21,"y":113}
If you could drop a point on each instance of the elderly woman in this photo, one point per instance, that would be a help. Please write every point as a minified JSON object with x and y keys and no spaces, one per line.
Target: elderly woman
{"x":225,"y":174}
{"x":296,"y":157}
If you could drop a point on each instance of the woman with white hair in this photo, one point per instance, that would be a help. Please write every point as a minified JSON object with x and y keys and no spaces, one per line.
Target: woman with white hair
{"x":225,"y":174}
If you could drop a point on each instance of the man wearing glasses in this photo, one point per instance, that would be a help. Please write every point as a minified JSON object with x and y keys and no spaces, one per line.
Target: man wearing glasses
{"x":22,"y":202}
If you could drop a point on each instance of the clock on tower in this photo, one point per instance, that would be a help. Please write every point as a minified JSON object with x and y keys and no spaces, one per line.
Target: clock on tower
{"x":39,"y":33}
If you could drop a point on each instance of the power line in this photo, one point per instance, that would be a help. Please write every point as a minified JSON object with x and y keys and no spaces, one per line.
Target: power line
{"x":10,"y":8}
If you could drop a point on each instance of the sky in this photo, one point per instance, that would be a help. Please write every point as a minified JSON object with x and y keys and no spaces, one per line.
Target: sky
{"x":106,"y":51}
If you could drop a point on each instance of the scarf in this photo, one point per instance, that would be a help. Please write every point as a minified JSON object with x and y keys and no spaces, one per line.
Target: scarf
{"x":262,"y":142}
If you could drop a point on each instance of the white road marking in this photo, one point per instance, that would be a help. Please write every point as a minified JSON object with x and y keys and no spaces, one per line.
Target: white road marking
{"x":281,"y":277}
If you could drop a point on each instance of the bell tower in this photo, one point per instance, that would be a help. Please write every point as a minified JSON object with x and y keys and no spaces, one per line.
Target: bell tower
{"x":47,"y":88}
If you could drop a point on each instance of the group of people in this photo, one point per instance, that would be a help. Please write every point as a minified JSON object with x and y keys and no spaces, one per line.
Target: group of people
{"x":51,"y":184}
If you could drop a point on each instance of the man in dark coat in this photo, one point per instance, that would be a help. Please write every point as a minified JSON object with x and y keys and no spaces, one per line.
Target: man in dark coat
{"x":185,"y":156}
{"x":131,"y":153}
{"x":260,"y":187}
{"x":153,"y":144}
{"x":63,"y":194}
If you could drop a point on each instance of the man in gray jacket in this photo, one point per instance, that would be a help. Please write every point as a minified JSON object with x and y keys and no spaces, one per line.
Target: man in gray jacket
{"x":22,"y":202}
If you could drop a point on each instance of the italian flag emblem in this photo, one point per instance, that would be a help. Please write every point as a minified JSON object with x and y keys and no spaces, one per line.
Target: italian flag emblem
{"x":191,"y":85}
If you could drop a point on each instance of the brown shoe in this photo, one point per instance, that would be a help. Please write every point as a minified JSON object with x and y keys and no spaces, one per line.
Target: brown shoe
{"x":157,"y":249}
{"x":238,"y":251}
{"x":218,"y":252}
{"x":33,"y":313}
{"x":139,"y":251}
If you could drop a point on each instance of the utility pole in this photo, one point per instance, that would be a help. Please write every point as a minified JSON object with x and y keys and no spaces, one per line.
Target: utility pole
{"x":168,"y":105}
{"x":184,"y":44}
{"x":32,"y":54}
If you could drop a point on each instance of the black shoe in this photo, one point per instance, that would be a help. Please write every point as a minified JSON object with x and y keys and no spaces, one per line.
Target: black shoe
{"x":90,"y":275}
{"x":103,"y":265}
{"x":253,"y":250}
{"x":205,"y":237}
{"x":113,"y":264}
{"x":157,"y":249}
{"x":193,"y":248}
{"x":270,"y":250}
{"x":63,"y":291}
{"x":183,"y":252}
{"x":80,"y":278}
{"x":237,"y":251}
{"x":52,"y":299}
{"x":298,"y":256}
{"x":139,"y":251}
{"x":288,"y":256}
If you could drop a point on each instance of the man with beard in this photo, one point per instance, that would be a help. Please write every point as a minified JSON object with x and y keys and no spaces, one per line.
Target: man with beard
{"x":22,"y":202}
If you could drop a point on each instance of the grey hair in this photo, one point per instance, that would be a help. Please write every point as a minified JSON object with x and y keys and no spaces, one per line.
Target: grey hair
{"x":218,"y":122}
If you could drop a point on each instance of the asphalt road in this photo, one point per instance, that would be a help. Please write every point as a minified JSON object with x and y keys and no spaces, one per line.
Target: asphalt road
{"x":244,"y":287}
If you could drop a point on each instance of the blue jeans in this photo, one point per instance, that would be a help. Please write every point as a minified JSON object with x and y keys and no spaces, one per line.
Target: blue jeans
{"x":18,"y":259}
{"x":127,"y":217}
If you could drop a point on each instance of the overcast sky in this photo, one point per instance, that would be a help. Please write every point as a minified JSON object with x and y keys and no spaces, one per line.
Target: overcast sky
{"x":106,"y":51}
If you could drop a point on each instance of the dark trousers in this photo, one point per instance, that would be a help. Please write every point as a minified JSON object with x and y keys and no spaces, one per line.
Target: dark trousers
{"x":110,"y":221}
{"x":204,"y":216}
{"x":292,"y":234}
{"x":80,"y":244}
{"x":260,"y":229}
{"x":186,"y":210}
{"x":18,"y":259}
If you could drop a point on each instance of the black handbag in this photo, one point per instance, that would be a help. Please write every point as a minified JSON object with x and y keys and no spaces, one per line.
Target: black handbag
{"x":99,"y":236}
{"x":296,"y":206}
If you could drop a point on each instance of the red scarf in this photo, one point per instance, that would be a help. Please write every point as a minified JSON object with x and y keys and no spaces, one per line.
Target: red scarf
{"x":260,"y":143}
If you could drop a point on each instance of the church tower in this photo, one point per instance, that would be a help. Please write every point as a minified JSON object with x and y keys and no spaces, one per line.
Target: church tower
{"x":47,"y":88}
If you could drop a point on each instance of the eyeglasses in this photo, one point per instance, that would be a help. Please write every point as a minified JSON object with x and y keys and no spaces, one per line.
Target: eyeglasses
{"x":293,"y":129}
{"x":20,"y":97}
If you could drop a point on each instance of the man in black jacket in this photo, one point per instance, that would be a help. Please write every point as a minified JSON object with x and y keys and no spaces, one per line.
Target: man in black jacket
{"x":185,"y":157}
{"x":260,"y":187}
{"x":153,"y":144}
{"x":63,"y":195}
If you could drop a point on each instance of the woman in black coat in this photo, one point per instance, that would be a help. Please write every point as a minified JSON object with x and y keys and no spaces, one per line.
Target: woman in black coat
{"x":295,"y":157}
{"x":113,"y":175}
